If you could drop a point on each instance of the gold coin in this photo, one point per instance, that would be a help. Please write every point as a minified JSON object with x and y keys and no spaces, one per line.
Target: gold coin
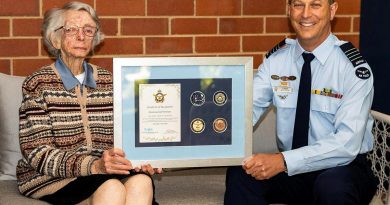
{"x":197,"y":125}
{"x":220,"y":98}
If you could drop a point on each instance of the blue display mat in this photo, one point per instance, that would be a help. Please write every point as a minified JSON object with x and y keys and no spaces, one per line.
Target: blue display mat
{"x":208,"y":112}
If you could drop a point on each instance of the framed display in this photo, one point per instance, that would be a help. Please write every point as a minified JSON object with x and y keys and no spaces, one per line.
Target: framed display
{"x":183,"y":111}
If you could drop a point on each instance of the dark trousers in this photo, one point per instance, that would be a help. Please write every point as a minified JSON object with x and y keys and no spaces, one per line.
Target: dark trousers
{"x":350,"y":184}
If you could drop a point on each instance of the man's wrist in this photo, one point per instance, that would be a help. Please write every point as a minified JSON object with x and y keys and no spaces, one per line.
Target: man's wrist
{"x":285,"y":164}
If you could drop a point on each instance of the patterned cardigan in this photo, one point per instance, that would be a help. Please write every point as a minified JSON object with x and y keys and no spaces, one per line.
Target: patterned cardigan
{"x":62,"y":132}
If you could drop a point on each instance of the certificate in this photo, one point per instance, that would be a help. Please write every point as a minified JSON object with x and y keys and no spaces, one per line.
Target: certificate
{"x":159,"y":113}
{"x":183,"y":111}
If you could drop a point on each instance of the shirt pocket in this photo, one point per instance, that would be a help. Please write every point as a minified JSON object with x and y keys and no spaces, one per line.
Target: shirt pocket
{"x":325,"y":104}
{"x":285,"y":100}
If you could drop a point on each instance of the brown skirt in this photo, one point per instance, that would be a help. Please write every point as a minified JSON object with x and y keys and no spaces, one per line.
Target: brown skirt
{"x":82,"y":188}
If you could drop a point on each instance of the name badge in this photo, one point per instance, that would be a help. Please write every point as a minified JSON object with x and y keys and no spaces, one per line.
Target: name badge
{"x":284,"y":84}
{"x":283,"y":89}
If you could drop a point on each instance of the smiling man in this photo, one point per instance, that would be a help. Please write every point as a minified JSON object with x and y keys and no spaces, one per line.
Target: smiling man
{"x":322,"y":89}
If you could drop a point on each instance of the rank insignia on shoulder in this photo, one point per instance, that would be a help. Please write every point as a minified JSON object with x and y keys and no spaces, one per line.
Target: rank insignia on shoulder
{"x":277,"y":47}
{"x":363,"y":73}
{"x":352,"y":54}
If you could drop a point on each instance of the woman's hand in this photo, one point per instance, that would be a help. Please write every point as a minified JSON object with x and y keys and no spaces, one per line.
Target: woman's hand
{"x":113,"y":161}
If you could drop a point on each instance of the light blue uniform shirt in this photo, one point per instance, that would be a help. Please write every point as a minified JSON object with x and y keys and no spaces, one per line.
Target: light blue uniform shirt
{"x":340,"y":123}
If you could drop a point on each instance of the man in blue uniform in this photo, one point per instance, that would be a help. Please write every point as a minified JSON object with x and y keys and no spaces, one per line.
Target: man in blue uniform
{"x":322,"y":89}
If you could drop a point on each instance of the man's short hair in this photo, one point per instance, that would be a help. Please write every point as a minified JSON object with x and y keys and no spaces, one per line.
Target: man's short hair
{"x":330,"y":1}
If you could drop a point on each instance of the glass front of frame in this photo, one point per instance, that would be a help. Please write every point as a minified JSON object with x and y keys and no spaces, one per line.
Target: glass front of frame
{"x":183,"y":111}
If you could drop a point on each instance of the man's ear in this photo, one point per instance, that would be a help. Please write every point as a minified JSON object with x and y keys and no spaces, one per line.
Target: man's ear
{"x":333,"y":9}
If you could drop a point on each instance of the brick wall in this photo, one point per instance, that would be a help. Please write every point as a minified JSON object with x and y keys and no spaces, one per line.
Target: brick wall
{"x":137,"y":28}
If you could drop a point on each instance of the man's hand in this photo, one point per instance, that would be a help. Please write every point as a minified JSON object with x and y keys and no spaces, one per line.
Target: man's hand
{"x":264,"y":166}
{"x":149,"y":169}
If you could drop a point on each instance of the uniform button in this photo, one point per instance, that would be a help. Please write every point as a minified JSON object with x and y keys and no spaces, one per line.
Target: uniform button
{"x":326,"y":108}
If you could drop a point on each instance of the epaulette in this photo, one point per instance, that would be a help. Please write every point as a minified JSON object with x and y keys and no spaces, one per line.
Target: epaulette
{"x":352,"y":54}
{"x":274,"y":49}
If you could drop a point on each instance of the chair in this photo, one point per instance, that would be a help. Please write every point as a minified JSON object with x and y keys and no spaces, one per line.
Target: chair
{"x":380,"y":157}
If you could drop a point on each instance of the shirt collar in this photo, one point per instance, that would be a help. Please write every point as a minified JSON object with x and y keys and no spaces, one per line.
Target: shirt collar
{"x":70,"y":81}
{"x":322,"y":52}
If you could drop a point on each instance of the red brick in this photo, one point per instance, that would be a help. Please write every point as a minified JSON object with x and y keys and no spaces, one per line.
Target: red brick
{"x":109,"y":26}
{"x":348,"y":7}
{"x":241,"y":25}
{"x":4,"y":25}
{"x":120,"y":46}
{"x":200,"y":55}
{"x":18,"y":47}
{"x":353,"y":38}
{"x":120,"y":7}
{"x":194,"y":26}
{"x":278,"y":25}
{"x":257,"y":58}
{"x":102,"y":62}
{"x":341,"y":24}
{"x":27,"y":27}
{"x":19,"y":8}
{"x":144,"y":26}
{"x":217,"y":44}
{"x":24,"y":67}
{"x":5,"y":66}
{"x":264,"y":7}
{"x":49,"y":4}
{"x":260,"y":43}
{"x":218,"y":7}
{"x":168,"y":45}
{"x":292,"y":36}
{"x":170,"y":7}
{"x":356,"y":24}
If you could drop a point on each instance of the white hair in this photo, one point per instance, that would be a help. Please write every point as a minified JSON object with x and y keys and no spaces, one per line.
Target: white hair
{"x":55,"y":18}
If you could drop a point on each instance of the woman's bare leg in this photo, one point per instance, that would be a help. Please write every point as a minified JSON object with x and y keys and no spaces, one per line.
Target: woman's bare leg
{"x":110,"y":192}
{"x":139,"y":190}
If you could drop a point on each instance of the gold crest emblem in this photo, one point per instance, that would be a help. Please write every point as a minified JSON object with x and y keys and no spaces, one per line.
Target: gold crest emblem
{"x":159,"y":96}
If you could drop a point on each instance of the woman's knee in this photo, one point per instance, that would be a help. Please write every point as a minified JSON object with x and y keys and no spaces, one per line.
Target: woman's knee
{"x":113,"y":186}
{"x":111,"y":191}
{"x":139,"y":183}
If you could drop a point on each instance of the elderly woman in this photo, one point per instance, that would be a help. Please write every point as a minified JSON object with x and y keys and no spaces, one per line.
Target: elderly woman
{"x":66,"y":122}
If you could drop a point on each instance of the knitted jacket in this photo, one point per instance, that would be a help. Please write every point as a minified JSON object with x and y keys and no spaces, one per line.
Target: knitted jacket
{"x":62,"y":132}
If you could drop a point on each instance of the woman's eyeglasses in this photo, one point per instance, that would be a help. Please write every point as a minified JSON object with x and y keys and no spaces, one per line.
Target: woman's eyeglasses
{"x":72,"y":30}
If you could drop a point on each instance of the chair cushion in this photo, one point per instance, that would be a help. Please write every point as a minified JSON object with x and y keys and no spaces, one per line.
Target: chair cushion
{"x":9,"y":195}
{"x":10,"y":99}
